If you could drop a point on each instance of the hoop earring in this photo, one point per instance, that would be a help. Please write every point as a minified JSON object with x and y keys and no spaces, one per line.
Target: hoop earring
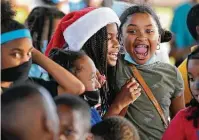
{"x":158,"y":47}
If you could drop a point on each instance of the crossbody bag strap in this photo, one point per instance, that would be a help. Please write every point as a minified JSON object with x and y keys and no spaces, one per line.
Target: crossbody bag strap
{"x":150,"y":95}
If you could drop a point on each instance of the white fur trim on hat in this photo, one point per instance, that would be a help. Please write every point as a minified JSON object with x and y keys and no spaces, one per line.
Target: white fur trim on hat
{"x":86,"y":26}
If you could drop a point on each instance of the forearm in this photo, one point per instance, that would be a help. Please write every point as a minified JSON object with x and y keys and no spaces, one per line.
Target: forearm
{"x":68,"y":82}
{"x":113,"y":110}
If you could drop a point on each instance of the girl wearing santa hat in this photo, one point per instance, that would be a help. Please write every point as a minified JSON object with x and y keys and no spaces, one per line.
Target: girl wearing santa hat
{"x":94,"y":31}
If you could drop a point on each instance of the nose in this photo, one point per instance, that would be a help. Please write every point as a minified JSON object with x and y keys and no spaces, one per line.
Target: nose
{"x":141,"y":37}
{"x":25,"y":58}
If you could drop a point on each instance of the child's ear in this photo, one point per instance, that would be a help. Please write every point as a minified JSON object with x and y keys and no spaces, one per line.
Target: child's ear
{"x":48,"y":127}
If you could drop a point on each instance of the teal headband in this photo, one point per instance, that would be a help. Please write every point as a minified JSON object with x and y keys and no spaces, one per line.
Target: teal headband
{"x":12,"y":35}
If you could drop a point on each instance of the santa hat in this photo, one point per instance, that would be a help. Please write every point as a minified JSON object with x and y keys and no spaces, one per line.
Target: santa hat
{"x":78,"y":26}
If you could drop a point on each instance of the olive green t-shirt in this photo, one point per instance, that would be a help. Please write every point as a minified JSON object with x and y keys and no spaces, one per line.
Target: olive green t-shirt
{"x":166,"y":83}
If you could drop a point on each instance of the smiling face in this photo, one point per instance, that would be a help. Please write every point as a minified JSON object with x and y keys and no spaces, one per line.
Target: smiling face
{"x":86,"y":73}
{"x":113,"y":44}
{"x":193,"y":75}
{"x":140,"y":37}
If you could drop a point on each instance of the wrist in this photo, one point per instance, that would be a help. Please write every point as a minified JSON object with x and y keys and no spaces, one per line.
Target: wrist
{"x":117,"y":107}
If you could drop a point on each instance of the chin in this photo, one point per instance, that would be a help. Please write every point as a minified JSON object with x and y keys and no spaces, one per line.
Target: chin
{"x":141,"y":62}
{"x":112,"y":64}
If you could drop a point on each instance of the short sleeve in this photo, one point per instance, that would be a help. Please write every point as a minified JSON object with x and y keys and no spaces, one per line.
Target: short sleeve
{"x":51,"y":86}
{"x":179,"y":84}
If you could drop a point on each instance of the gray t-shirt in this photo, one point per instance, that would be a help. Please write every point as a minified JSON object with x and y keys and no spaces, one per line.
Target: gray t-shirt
{"x":166,"y":83}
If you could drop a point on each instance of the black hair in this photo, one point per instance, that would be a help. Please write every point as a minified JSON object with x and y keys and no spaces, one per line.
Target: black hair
{"x":7,"y":14}
{"x":193,"y":21}
{"x":165,"y":35}
{"x":115,"y":128}
{"x":193,"y":103}
{"x":67,"y":58}
{"x":9,"y":104}
{"x":36,"y":23}
{"x":76,"y":104}
{"x":96,"y":48}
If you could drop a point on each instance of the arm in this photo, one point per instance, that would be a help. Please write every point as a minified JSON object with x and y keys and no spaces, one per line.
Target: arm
{"x":177,"y":104}
{"x":67,"y":82}
{"x":129,"y":93}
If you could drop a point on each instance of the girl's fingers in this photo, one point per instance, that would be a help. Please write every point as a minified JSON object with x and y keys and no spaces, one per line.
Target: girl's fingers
{"x":133,"y":87}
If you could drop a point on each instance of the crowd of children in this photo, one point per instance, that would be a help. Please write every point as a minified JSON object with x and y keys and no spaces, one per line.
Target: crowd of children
{"x":92,"y":91}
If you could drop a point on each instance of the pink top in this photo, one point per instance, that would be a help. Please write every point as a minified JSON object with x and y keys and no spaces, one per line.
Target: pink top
{"x":180,"y":128}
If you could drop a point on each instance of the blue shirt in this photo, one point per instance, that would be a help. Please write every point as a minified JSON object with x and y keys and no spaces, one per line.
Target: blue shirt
{"x":95,"y":117}
{"x":179,"y":27}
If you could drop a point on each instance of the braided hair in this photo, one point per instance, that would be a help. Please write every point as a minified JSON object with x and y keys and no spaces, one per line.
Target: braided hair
{"x":193,"y":103}
{"x":36,"y":23}
{"x":96,"y":49}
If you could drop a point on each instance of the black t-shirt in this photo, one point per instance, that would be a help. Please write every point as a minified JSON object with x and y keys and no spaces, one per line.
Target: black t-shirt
{"x":51,"y":86}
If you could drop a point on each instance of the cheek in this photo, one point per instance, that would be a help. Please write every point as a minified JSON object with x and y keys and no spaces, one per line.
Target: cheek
{"x":109,"y":46}
{"x":128,"y":42}
{"x":8,"y":61}
{"x":191,"y":86}
{"x":89,"y":86}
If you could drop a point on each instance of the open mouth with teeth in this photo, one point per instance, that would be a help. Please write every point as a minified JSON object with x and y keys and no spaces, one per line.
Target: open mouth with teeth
{"x":113,"y":56}
{"x":141,"y":51}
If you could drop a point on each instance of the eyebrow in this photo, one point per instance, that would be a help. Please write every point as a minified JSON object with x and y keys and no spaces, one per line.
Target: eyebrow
{"x":18,"y":49}
{"x":134,"y":25}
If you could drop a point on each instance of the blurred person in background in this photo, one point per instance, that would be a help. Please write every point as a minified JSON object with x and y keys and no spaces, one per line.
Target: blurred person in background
{"x":182,"y":41}
{"x":74,"y":116}
{"x":80,"y":4}
{"x":28,"y":113}
{"x":42,"y":22}
{"x":193,"y":26}
{"x":114,"y":128}
{"x":17,"y":53}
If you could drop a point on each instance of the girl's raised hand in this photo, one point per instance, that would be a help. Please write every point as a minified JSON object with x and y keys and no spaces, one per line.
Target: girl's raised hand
{"x":128,"y":94}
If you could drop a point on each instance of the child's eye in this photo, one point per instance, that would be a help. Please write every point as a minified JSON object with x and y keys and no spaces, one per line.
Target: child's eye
{"x":132,"y":31}
{"x":149,"y":31}
{"x":29,"y":54}
{"x":68,"y":132}
{"x":191,"y":79}
{"x":17,"y":55}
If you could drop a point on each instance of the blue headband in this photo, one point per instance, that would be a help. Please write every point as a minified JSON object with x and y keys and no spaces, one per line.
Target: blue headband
{"x":12,"y":35}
